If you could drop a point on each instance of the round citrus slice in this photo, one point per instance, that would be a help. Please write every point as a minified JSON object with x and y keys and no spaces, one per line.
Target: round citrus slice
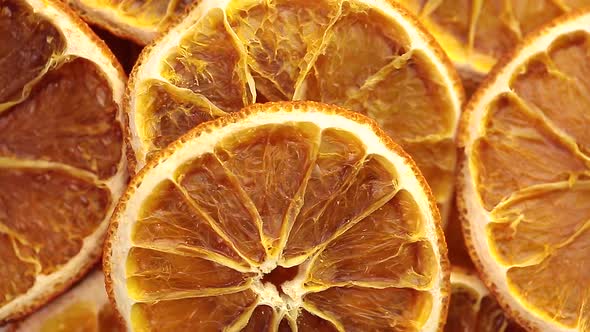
{"x":525,"y":189}
{"x":62,"y":165}
{"x":369,"y":56}
{"x":85,"y":307}
{"x":138,"y":20}
{"x":296,"y":216}
{"x":472,"y":308}
{"x":476,"y":33}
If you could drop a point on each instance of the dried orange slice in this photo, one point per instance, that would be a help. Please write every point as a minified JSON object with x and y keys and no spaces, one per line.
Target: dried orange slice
{"x":286,"y":215}
{"x":368,"y":56}
{"x":62,"y":164}
{"x":476,"y":33}
{"x":84,"y":308}
{"x":525,"y":189}
{"x":137,"y":20}
{"x":472,"y":308}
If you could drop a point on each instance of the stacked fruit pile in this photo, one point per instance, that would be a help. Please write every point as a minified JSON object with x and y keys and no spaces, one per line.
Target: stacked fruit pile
{"x":294,"y":165}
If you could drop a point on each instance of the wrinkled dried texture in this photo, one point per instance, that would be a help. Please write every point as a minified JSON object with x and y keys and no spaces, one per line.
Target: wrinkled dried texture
{"x":375,"y":184}
{"x":436,"y":160}
{"x":525,"y":232}
{"x":346,"y":47}
{"x":261,"y":320}
{"x":519,"y":150}
{"x":168,"y":223}
{"x":208,"y":186}
{"x":27,"y":44}
{"x":271,"y":165}
{"x":569,"y":55}
{"x":489,"y":27}
{"x":408,"y":89}
{"x":564,"y":101}
{"x":307,"y":322}
{"x":277,"y":57}
{"x":70,"y":117}
{"x":369,"y":309}
{"x":207,"y":313}
{"x":469,"y":312}
{"x":339,"y":157}
{"x":560,"y":296}
{"x":46,"y":216}
{"x":169,"y":112}
{"x":208,"y":62}
{"x":156,"y":276}
{"x":382,"y":250}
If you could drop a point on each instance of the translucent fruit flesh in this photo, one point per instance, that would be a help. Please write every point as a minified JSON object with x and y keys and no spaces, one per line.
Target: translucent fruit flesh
{"x":60,"y":141}
{"x":296,"y":50}
{"x":359,"y":256}
{"x":476,"y":33}
{"x":532,"y":168}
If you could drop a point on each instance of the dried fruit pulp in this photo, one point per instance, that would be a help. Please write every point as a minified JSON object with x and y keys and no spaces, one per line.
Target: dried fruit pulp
{"x":344,"y":53}
{"x":60,"y":142}
{"x":284,"y":225}
{"x":473,"y":309}
{"x":531,"y":168}
{"x":476,"y":33}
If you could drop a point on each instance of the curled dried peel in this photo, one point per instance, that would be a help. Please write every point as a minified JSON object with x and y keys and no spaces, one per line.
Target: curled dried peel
{"x":367,"y":56}
{"x":62,"y":165}
{"x":348,"y":266}
{"x":524,"y":179}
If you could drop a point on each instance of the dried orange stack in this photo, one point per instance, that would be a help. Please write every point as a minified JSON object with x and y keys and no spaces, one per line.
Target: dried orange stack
{"x":293,"y":165}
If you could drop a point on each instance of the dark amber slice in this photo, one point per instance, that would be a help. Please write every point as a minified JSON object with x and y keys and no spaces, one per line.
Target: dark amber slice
{"x":70,"y":117}
{"x":28,"y":42}
{"x":520,"y":150}
{"x":262,"y":320}
{"x":166,"y":112}
{"x":208,"y":62}
{"x":213,"y":313}
{"x":108,"y":321}
{"x":373,"y":186}
{"x":469,"y":312}
{"x":209,"y":187}
{"x":46,"y":214}
{"x":277,"y":57}
{"x":271,"y":164}
{"x":369,"y":309}
{"x":562,"y":296}
{"x":382,"y":250}
{"x":343,"y":64}
{"x":307,"y":322}
{"x":168,"y":223}
{"x":154,"y":276}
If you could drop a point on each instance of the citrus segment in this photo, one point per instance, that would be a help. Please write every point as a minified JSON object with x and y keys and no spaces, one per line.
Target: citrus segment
{"x":524,"y":180}
{"x":38,"y":42}
{"x":516,"y":136}
{"x":396,"y":309}
{"x":309,"y":322}
{"x":369,"y":233}
{"x":168,"y":223}
{"x":62,"y":165}
{"x":387,"y":240}
{"x":263,"y":319}
{"x":258,"y":161}
{"x":473,"y":308}
{"x":156,"y":276}
{"x":372,"y":186}
{"x":79,"y":128}
{"x":368,"y":56}
{"x":207,"y":184}
{"x":186,"y":314}
{"x":29,"y":199}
